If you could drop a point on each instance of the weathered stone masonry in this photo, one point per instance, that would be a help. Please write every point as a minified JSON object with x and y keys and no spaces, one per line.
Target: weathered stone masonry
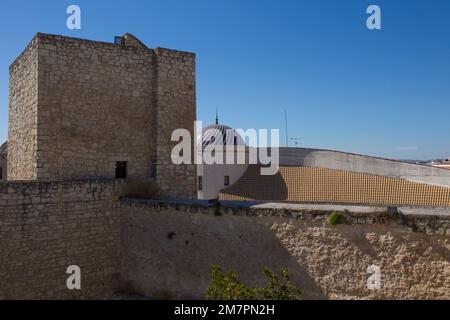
{"x":164,"y":250}
{"x":76,"y":108}
{"x":79,"y":106}
{"x":47,"y":226}
{"x":168,"y":249}
{"x":23,"y":101}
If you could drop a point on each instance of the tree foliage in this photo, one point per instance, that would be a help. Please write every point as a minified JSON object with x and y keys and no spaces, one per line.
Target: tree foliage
{"x":226,"y":286}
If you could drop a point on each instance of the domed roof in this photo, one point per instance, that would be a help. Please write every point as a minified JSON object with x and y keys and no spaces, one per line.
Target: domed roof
{"x":219,"y":134}
{"x":4,"y":148}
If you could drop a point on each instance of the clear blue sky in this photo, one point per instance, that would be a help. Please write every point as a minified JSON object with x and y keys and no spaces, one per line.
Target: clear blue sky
{"x":383,"y":93}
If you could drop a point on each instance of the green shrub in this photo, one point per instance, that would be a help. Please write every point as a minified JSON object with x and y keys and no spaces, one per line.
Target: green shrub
{"x":226,"y":286}
{"x":141,"y":189}
{"x":334,"y":218}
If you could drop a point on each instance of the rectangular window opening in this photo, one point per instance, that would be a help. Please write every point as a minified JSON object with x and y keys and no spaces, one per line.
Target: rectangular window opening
{"x":200,"y":183}
{"x":227,"y":181}
{"x":121,"y":169}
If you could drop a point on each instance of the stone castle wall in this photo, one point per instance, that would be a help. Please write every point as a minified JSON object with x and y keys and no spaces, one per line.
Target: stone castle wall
{"x":47,"y":226}
{"x":96,"y":103}
{"x":23,"y":104}
{"x":165,"y":249}
{"x":176,"y":96}
{"x":77,"y":107}
{"x":168,"y":249}
{"x":96,"y":107}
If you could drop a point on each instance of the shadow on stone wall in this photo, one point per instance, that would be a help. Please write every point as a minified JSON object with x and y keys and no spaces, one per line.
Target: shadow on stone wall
{"x":252,"y":185}
{"x":168,"y":255}
{"x":167,"y":251}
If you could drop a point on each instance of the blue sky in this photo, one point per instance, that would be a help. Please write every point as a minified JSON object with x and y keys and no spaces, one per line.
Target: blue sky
{"x":381,"y":92}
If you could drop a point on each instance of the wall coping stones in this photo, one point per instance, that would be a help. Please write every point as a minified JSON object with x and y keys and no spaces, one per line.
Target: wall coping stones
{"x":425,"y":223}
{"x":25,"y":193}
{"x":54,"y":37}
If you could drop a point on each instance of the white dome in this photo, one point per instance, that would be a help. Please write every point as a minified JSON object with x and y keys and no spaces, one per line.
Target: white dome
{"x":219,"y":134}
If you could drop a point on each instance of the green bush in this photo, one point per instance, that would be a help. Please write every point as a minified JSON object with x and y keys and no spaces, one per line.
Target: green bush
{"x":226,"y":286}
{"x":141,"y":189}
{"x":334,"y":218}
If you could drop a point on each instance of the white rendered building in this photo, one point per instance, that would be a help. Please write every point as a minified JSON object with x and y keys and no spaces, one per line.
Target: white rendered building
{"x":221,"y":142}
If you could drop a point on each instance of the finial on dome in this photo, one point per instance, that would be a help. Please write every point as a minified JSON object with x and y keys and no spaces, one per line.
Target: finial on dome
{"x":217,"y":117}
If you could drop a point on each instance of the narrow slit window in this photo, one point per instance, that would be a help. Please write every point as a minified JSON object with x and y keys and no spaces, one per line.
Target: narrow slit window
{"x":227,"y":181}
{"x":153,"y":168}
{"x":121,"y":169}
{"x":200,"y":183}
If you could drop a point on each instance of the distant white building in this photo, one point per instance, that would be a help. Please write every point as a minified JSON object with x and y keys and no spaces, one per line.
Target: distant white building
{"x":212,"y":178}
{"x":443,"y":164}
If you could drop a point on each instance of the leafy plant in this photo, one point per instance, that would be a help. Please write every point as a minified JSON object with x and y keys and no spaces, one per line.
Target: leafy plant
{"x":226,"y":286}
{"x":280,"y":287}
{"x":334,"y":218}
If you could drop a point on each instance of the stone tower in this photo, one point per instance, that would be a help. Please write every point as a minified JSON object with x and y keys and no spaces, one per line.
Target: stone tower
{"x":79,"y":109}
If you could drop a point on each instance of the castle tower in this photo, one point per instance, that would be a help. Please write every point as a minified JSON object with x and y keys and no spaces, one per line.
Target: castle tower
{"x":88,"y":109}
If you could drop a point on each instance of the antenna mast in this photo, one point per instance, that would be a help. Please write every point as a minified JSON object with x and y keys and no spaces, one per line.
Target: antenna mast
{"x":286,"y":126}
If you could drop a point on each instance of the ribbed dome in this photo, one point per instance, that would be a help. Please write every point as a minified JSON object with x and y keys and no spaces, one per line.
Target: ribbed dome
{"x":4,"y":147}
{"x":219,"y":134}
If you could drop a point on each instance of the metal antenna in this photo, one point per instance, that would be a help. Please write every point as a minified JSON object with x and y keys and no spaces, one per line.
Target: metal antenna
{"x":217,"y":117}
{"x":286,"y":125}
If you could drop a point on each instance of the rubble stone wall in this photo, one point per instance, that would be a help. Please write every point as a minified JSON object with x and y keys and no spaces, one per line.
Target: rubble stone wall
{"x":23,"y":108}
{"x":47,"y":226}
{"x":77,"y":107}
{"x":169,"y":248}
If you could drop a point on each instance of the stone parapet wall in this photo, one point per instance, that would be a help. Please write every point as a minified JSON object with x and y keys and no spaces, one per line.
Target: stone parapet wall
{"x":164,"y":249}
{"x":168,"y":249}
{"x":47,"y":226}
